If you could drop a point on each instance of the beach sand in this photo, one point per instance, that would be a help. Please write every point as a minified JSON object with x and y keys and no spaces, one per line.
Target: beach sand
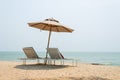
{"x":32,"y":71}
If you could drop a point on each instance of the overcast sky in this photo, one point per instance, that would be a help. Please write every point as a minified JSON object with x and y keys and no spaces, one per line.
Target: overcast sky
{"x":96,"y":24}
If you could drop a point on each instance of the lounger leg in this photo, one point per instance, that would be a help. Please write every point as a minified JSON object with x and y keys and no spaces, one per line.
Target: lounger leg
{"x":45,"y":61}
{"x":54,"y":61}
{"x":61,"y":62}
{"x":24,"y":62}
{"x":49,"y":61}
{"x":38,"y":61}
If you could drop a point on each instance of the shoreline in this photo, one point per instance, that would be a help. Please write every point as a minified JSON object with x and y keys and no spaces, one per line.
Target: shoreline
{"x":10,"y":70}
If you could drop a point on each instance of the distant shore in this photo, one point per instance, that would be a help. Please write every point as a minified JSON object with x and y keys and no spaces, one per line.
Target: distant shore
{"x":32,"y":71}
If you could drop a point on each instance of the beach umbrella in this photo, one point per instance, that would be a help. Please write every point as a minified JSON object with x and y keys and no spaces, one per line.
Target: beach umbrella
{"x":50,"y":25}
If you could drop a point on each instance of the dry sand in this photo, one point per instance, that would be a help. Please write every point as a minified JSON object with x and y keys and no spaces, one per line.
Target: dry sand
{"x":32,"y":71}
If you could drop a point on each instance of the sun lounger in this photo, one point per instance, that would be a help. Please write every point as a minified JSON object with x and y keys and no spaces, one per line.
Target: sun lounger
{"x":55,"y":54}
{"x":31,"y":55}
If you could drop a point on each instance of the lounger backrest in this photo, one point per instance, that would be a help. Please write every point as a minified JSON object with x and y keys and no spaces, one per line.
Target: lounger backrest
{"x":30,"y":52}
{"x":54,"y":53}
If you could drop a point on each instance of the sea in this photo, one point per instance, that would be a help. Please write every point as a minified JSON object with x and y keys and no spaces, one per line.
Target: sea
{"x":105,"y":58}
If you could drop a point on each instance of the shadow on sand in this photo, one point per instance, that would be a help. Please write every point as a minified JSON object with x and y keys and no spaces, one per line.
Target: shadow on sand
{"x":88,"y":78}
{"x":41,"y":67}
{"x":75,"y":78}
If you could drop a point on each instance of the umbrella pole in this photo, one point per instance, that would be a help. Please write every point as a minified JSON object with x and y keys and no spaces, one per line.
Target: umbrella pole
{"x":48,"y":45}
